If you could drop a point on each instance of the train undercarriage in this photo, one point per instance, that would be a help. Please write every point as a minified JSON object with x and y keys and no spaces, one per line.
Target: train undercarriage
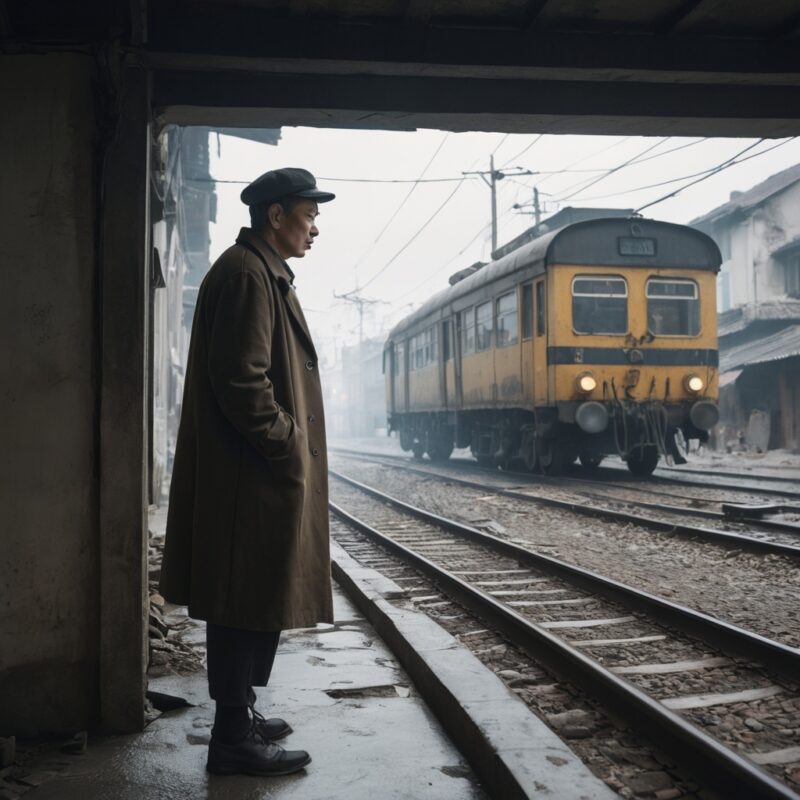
{"x":549,"y":439}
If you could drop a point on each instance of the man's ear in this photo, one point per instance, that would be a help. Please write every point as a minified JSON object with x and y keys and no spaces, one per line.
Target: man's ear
{"x":275,"y":216}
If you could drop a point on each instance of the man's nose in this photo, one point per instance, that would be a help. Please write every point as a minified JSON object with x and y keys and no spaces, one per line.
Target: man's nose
{"x":314,"y":230}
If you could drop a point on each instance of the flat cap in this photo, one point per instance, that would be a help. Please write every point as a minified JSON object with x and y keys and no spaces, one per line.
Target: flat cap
{"x":284,"y":182}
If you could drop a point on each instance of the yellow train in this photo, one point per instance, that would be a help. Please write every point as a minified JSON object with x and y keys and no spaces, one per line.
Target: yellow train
{"x":593,"y":339}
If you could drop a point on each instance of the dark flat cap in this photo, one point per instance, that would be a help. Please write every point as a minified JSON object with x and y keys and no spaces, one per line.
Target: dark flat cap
{"x":284,"y":182}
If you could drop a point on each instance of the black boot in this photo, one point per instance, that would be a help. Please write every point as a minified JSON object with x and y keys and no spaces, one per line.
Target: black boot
{"x":253,"y":755}
{"x":272,"y":728}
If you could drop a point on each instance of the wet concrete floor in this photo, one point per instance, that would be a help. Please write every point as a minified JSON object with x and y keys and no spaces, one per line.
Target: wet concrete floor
{"x":350,"y":705}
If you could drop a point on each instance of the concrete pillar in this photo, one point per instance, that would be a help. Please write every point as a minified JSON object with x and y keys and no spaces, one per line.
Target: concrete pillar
{"x":49,"y":570}
{"x":123,"y":411}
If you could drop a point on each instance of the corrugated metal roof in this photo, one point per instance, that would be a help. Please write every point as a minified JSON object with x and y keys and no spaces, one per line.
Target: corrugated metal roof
{"x":783,"y":344}
{"x":754,"y":196}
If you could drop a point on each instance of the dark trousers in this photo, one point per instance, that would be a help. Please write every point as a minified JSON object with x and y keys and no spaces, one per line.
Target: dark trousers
{"x":237,"y":661}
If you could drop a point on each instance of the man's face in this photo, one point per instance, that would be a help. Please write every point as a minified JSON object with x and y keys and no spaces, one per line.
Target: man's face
{"x":294,"y":232}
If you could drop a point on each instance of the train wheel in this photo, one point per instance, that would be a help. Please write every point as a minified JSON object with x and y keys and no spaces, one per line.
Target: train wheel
{"x":486,"y":461}
{"x":590,"y":462}
{"x":553,"y":457}
{"x":418,"y":449}
{"x":642,"y":461}
{"x":441,"y":451}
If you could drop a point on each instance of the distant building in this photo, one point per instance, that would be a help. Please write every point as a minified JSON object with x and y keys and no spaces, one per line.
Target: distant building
{"x":354,"y":393}
{"x":758,"y":297}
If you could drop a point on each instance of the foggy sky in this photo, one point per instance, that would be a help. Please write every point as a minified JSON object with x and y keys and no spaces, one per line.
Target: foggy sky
{"x":346,"y":252}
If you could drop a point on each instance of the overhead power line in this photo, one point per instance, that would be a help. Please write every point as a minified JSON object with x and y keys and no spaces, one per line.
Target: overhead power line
{"x":656,"y":185}
{"x":715,"y":170}
{"x":403,"y":201}
{"x":523,"y":151}
{"x":416,"y":234}
{"x":609,"y":172}
{"x":587,"y":157}
{"x":501,"y":143}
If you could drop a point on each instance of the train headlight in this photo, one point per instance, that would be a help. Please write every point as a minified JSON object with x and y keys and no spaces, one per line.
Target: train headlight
{"x":586,"y":383}
{"x":591,"y":417}
{"x":693,"y":384}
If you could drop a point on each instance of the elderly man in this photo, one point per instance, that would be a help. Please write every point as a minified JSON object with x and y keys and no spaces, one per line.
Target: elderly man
{"x":247,"y":528}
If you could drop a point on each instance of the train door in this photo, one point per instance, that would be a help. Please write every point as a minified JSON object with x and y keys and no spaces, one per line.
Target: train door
{"x":456,"y":326}
{"x":400,"y":375}
{"x":448,"y":365}
{"x":390,"y":378}
{"x":526,"y":346}
{"x":507,"y":349}
{"x":540,"y":393}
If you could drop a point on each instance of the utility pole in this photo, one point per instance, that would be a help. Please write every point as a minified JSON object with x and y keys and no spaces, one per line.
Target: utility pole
{"x":353,"y":296}
{"x":536,"y":206}
{"x":495,"y":175}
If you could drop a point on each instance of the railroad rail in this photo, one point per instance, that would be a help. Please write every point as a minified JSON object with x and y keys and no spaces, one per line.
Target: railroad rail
{"x":684,"y":480}
{"x":619,"y":477}
{"x":454,"y":556}
{"x":750,"y":543}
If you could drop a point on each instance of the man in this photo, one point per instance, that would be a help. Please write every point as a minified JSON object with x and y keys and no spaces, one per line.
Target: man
{"x":247,"y":528}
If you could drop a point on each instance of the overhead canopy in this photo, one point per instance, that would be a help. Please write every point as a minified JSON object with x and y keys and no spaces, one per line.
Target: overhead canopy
{"x":678,"y":67}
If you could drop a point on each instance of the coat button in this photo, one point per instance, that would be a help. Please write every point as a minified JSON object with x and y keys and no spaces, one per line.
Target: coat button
{"x":312,"y":418}
{"x":309,"y":365}
{"x":314,"y":451}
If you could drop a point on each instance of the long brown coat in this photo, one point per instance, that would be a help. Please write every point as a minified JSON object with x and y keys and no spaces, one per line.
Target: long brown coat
{"x":247,"y":528}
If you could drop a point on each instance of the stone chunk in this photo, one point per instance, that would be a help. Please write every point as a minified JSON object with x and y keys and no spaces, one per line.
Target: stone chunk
{"x":573,"y":718}
{"x":650,"y":782}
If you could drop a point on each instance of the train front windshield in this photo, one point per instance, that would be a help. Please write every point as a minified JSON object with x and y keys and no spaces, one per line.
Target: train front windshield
{"x":600,"y":305}
{"x":673,"y":307}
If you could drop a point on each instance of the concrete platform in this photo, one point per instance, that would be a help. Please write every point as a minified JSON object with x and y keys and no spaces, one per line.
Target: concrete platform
{"x":351,"y":706}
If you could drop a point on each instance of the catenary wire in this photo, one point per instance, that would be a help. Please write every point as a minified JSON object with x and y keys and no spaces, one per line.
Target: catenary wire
{"x":719,"y":168}
{"x":667,"y":182}
{"x":403,"y":201}
{"x":523,"y":151}
{"x":561,"y":197}
{"x":587,"y":157}
{"x":416,"y":234}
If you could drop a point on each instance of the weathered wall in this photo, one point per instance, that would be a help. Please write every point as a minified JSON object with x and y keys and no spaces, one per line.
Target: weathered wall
{"x":48,"y":495}
{"x":775,"y":223}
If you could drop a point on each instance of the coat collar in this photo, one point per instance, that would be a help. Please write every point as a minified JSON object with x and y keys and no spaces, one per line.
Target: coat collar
{"x":275,"y":264}
{"x":283,"y":275}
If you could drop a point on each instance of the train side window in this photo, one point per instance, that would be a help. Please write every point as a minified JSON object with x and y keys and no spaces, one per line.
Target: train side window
{"x":399,"y":353}
{"x":507,"y":330}
{"x":433,"y":340}
{"x":527,"y":311}
{"x":599,"y":304}
{"x":467,"y":331}
{"x":673,"y":307}
{"x":483,"y":326}
{"x":418,"y":351}
{"x":446,"y":350}
{"x":541,"y":311}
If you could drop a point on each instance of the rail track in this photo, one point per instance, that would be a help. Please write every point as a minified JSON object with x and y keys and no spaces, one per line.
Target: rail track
{"x":607,"y":476}
{"x":759,"y":484}
{"x":560,"y":614}
{"x":785,"y":542}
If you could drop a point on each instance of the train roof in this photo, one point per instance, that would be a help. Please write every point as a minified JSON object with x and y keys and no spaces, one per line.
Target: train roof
{"x":674,"y":247}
